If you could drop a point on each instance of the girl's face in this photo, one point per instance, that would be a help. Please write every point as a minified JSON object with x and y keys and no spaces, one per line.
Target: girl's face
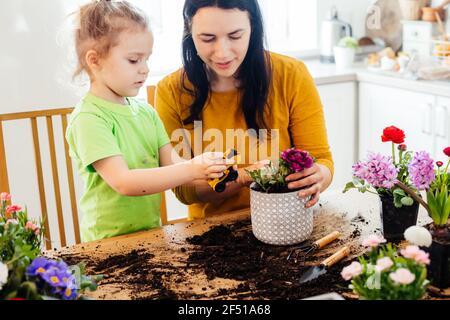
{"x":222,"y":38}
{"x":124,"y":71}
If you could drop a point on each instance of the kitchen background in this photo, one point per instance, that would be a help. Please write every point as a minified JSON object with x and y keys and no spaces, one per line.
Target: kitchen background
{"x":36,"y":64}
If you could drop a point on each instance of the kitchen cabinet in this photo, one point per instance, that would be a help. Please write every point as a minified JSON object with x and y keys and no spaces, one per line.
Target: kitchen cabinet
{"x":442,"y":127}
{"x":423,"y":117}
{"x":340,"y":107}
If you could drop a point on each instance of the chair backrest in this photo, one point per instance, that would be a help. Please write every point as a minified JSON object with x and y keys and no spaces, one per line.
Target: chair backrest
{"x":49,"y":115}
{"x":151,"y":99}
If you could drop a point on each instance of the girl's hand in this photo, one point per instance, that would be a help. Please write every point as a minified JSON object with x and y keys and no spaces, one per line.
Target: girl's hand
{"x":209,"y":165}
{"x":312,"y":181}
{"x":244,"y":179}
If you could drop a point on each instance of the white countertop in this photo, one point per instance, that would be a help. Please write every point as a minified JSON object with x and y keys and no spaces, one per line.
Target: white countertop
{"x":324,"y":74}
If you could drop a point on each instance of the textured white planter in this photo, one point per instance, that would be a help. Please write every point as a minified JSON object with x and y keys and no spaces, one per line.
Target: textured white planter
{"x":280,"y":218}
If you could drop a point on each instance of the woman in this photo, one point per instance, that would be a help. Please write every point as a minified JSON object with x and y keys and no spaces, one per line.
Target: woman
{"x":229,"y":81}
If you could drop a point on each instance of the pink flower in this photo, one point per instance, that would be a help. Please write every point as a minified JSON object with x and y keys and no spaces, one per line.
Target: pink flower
{"x":414,"y":252}
{"x":379,"y":171}
{"x":4,"y":196}
{"x":297,"y":160}
{"x":351,"y":271}
{"x":384,"y":264}
{"x":402,"y":276}
{"x":373,"y":241}
{"x":31,"y":226}
{"x":13,"y":209}
{"x":10,"y":210}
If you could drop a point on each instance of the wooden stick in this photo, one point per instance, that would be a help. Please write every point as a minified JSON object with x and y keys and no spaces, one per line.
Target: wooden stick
{"x":327,"y":239}
{"x":335,"y":258}
{"x":413,"y":195}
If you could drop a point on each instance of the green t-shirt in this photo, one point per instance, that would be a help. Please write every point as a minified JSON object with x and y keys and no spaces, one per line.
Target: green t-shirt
{"x":99,"y":129}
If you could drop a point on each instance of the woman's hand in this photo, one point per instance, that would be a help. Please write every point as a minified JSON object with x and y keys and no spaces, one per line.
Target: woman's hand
{"x":244,"y":179}
{"x":313,"y":181}
{"x":209,"y":165}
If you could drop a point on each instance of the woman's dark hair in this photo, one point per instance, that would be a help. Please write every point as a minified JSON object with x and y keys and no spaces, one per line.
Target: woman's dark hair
{"x":254,"y":74}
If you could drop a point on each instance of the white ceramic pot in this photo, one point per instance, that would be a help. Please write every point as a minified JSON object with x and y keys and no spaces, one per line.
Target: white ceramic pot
{"x":344,"y":57}
{"x":280,"y":218}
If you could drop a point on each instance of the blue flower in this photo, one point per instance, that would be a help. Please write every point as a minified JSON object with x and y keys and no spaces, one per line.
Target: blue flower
{"x":70,"y":292}
{"x":40,"y":266}
{"x":54,"y":278}
{"x":54,"y":275}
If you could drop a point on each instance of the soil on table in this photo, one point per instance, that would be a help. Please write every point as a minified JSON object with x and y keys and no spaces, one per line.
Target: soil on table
{"x":226,"y":262}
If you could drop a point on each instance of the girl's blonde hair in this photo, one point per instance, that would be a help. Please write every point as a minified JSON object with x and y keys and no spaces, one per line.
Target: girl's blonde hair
{"x":100,"y":24}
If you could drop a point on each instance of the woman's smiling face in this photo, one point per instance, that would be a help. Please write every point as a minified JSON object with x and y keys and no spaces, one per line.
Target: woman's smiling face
{"x":222,"y":38}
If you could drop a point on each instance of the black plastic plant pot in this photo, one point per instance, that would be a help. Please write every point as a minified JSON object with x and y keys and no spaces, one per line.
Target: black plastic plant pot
{"x":439,"y":268}
{"x":395,"y":220}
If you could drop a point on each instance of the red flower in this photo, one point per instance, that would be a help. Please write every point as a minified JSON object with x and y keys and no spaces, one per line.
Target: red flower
{"x":393,"y":134}
{"x":439,"y":164}
{"x":447,"y":151}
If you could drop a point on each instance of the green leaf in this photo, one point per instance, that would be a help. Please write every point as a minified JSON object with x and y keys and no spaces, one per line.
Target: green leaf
{"x":407,"y":201}
{"x":432,"y":204}
{"x":349,"y":186}
{"x":399,"y":192}
{"x":446,"y":211}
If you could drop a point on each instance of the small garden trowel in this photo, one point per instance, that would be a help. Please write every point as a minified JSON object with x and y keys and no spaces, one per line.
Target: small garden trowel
{"x":317,"y":271}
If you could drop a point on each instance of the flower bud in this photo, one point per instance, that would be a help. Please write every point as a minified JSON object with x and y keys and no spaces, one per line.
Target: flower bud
{"x":403,"y":147}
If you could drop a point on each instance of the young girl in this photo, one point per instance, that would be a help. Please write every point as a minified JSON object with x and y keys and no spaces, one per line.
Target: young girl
{"x":119,"y":143}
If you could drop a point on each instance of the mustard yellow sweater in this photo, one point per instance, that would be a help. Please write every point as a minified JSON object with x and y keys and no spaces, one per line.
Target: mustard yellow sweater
{"x":295,"y":110}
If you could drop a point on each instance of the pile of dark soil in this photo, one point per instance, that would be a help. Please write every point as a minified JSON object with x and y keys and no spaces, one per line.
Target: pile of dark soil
{"x":229,"y":252}
{"x":134,"y":271}
{"x":266,"y":272}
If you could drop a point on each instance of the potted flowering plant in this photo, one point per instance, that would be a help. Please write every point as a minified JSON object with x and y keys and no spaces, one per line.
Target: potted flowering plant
{"x":384,"y":274}
{"x":344,"y":52}
{"x":279,"y":216}
{"x":435,"y":180}
{"x":23,"y":273}
{"x":388,"y":176}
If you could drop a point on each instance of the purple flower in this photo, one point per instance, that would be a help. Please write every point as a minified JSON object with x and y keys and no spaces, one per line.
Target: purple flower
{"x":70,"y":291}
{"x":54,"y":278}
{"x":297,"y":160}
{"x":421,"y":170}
{"x":39,"y":266}
{"x":379,"y":171}
{"x":55,"y":275}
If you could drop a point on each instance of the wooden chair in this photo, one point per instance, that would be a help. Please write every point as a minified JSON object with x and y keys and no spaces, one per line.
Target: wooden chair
{"x":49,"y":115}
{"x":151,"y":99}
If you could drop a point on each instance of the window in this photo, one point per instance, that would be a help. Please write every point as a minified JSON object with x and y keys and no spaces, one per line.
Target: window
{"x":291,"y":26}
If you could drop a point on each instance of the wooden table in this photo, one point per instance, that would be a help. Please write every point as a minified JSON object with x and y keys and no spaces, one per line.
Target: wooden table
{"x":336,"y":211}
